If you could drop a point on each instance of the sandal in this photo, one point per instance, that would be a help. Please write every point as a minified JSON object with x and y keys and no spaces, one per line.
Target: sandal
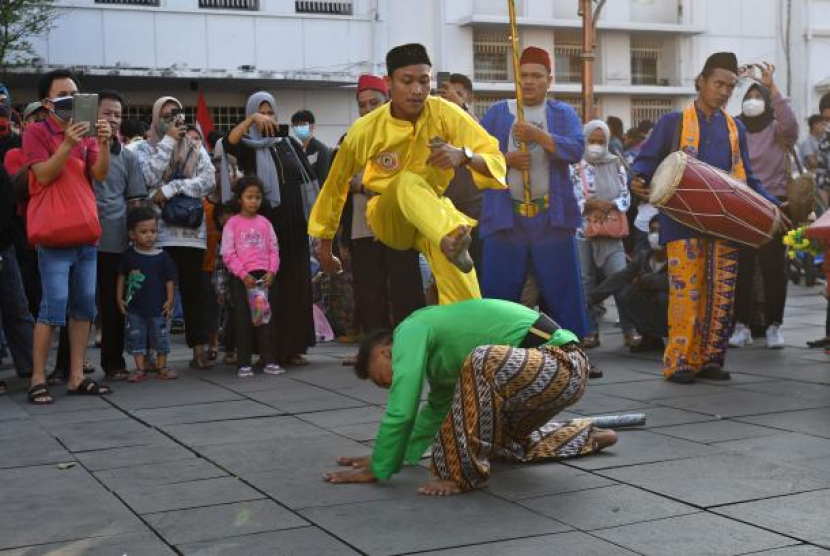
{"x":200,"y":364}
{"x":594,"y":372}
{"x":138,"y":376}
{"x":213,"y":354}
{"x":89,"y":387}
{"x":298,"y":361}
{"x":39,"y":395}
{"x":167,"y":374}
{"x":120,"y":375}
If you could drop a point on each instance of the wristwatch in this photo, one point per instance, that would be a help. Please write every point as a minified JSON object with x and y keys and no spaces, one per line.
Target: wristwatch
{"x":468,"y":155}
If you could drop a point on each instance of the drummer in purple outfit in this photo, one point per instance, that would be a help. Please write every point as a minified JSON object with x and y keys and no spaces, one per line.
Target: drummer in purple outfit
{"x":702,"y":268}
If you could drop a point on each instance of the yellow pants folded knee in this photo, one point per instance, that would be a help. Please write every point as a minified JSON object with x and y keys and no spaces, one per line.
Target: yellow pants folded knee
{"x":411,"y":215}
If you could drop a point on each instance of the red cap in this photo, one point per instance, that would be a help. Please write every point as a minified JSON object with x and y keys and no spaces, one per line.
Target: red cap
{"x":536,"y":55}
{"x":372,"y":83}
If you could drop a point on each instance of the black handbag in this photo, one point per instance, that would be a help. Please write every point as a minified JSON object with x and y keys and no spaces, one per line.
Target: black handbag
{"x":184,"y":211}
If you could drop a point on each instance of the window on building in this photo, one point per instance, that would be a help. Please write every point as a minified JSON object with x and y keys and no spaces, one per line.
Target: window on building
{"x":249,"y":5}
{"x":330,"y":8}
{"x":484,"y":102}
{"x":225,"y":118}
{"x":645,"y":57}
{"x":649,"y":108}
{"x":129,"y":2}
{"x":491,"y":52}
{"x":567,"y":48}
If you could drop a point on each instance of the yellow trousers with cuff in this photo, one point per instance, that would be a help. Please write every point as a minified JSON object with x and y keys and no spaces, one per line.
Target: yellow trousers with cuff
{"x":411,"y":215}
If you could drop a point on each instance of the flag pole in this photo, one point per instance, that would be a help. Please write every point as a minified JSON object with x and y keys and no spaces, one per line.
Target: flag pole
{"x":517,"y":74}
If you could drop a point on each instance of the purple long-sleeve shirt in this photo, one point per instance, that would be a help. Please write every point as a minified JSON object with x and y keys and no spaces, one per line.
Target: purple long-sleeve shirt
{"x":768,"y":147}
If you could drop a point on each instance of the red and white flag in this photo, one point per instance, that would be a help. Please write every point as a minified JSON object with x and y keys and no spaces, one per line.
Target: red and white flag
{"x":204,"y":121}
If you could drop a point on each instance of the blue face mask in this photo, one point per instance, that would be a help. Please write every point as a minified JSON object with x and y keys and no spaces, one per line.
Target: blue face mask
{"x":302,"y":132}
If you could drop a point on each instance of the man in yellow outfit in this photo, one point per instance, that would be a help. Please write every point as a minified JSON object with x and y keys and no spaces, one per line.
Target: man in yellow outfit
{"x":409,"y":149}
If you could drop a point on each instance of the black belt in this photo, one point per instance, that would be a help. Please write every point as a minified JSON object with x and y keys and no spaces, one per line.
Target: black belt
{"x":540,"y":332}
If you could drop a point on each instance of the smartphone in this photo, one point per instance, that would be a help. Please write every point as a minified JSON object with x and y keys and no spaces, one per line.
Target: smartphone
{"x":85,"y":109}
{"x":282,"y":130}
{"x":443,"y":78}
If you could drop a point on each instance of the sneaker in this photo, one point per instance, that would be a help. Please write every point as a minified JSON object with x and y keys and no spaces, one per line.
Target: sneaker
{"x":273,"y":369}
{"x":245,"y":372}
{"x":741,"y":337}
{"x":775,"y":340}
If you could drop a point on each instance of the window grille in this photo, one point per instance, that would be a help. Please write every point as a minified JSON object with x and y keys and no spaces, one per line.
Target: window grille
{"x":225,"y":118}
{"x":649,"y":108}
{"x":491,"y":52}
{"x":330,"y":8}
{"x":247,"y":5}
{"x":483,"y":104}
{"x":567,"y":49}
{"x":645,"y":57}
{"x":151,"y":3}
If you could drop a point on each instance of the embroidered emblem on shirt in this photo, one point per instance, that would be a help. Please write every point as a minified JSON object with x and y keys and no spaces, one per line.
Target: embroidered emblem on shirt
{"x":388,"y":161}
{"x":252,"y":239}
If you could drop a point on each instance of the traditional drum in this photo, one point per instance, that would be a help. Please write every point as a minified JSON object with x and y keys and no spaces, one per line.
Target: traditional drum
{"x":711,"y":201}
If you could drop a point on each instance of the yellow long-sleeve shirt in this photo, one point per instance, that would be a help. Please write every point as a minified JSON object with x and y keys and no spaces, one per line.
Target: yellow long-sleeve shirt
{"x":384,"y":146}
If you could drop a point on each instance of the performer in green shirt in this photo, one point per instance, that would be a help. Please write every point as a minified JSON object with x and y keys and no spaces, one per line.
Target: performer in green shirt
{"x":498,"y":374}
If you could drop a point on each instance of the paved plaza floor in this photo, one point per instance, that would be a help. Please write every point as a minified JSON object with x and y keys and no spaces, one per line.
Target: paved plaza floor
{"x":211,"y":465}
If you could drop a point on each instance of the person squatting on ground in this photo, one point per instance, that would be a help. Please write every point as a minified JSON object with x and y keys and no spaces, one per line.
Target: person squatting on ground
{"x":498,"y":372}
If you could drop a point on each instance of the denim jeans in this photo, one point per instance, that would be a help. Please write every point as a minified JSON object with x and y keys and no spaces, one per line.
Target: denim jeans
{"x":18,"y":324}
{"x":68,"y":276}
{"x":142,"y":332}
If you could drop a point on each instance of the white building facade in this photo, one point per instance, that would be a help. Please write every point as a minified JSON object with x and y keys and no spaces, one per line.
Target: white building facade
{"x":310,"y":53}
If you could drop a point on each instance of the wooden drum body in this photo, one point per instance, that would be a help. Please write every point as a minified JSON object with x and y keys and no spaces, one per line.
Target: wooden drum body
{"x":712,"y":202}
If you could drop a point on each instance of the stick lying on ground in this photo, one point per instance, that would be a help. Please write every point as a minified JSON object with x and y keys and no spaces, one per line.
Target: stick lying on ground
{"x":621,"y":421}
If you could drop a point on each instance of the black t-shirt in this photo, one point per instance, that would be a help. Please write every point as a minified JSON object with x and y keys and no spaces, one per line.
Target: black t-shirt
{"x":146,"y":276}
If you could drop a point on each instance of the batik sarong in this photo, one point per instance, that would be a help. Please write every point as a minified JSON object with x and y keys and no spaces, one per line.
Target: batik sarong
{"x":504,"y":407}
{"x":702,"y":277}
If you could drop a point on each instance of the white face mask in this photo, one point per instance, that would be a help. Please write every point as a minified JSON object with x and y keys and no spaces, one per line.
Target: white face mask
{"x":594,"y":152}
{"x":654,"y":241}
{"x":753,"y":107}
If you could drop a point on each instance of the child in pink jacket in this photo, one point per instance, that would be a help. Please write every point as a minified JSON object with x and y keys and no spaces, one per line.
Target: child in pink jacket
{"x":251,"y":255}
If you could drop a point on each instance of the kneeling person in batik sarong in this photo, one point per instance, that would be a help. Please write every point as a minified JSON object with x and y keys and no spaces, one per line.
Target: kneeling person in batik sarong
{"x":498,"y":373}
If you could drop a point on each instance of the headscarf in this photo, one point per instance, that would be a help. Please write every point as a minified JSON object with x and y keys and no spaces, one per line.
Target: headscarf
{"x":186,"y":153}
{"x":607,"y":171}
{"x":759,"y":123}
{"x":266,"y":168}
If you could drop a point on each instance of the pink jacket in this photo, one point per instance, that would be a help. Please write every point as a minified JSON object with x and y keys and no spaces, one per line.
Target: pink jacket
{"x":249,"y":244}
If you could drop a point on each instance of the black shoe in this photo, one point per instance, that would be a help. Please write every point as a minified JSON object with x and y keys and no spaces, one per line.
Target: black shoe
{"x":682,"y":377}
{"x":714,"y":372}
{"x":594,"y":372}
{"x":647,"y":344}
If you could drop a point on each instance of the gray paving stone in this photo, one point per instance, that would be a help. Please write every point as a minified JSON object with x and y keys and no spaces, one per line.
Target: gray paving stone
{"x":171,"y":472}
{"x":65,"y":505}
{"x":287,"y":454}
{"x":365,"y":391}
{"x":10,"y":410}
{"x":305,"y":541}
{"x":736,"y":403}
{"x":693,"y":535}
{"x":102,"y":414}
{"x":203,"y":413}
{"x":657,"y":417}
{"x":145,"y":499}
{"x":716,"y":431}
{"x":798,"y":550}
{"x":156,"y":453}
{"x":83,"y":437}
{"x":637,"y":446}
{"x":528,"y":481}
{"x":304,"y":398}
{"x":808,"y":421}
{"x":342,"y":417}
{"x":304,"y":487}
{"x":805,"y":390}
{"x":258,"y":382}
{"x":783,"y":447}
{"x":721,"y":479}
{"x":619,"y":376}
{"x":601,"y":508}
{"x":374,"y":527}
{"x":331,"y":374}
{"x":260,"y":429}
{"x":175,"y":393}
{"x":133,"y":544}
{"x":23,"y":442}
{"x":571,"y":543}
{"x":226,"y":520}
{"x":64,"y":403}
{"x":594,"y":403}
{"x":655,"y":389}
{"x":803,"y":516}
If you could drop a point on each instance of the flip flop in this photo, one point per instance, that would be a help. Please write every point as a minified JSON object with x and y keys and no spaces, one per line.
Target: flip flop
{"x":167,"y":374}
{"x":89,"y":387}
{"x":38,"y":393}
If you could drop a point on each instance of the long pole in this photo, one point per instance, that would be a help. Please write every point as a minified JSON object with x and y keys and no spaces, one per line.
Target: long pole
{"x":517,"y":80}
{"x":588,"y":57}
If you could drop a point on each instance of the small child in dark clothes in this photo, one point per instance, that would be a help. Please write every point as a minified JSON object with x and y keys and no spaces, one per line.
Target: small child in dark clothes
{"x":146,"y":286}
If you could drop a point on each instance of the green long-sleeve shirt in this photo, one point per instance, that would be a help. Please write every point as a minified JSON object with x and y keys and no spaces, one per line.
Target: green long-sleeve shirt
{"x":433,"y":343}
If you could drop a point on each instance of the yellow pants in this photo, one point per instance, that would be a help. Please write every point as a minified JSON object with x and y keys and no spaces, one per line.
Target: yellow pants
{"x":411,"y":215}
